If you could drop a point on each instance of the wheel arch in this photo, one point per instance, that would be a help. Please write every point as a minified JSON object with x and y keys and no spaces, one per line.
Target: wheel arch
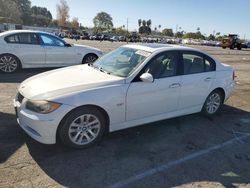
{"x":87,"y":54}
{"x":221,"y":90}
{"x":104,"y":112}
{"x":21,"y":66}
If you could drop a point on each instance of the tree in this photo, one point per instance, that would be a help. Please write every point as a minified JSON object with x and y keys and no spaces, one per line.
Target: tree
{"x":196,"y":35}
{"x":168,"y":32}
{"x":62,"y":10}
{"x":10,"y":12}
{"x":139,"y":22}
{"x":25,"y":10}
{"x":211,"y":37}
{"x":159,"y":26}
{"x":103,"y":21}
{"x":145,"y":27}
{"x":148,"y":23}
{"x":40,"y":16}
{"x":75,"y":23}
{"x":120,"y":31}
{"x":179,"y":34}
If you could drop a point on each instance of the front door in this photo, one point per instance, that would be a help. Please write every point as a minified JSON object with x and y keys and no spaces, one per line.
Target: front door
{"x":57,"y":54}
{"x":161,"y":96}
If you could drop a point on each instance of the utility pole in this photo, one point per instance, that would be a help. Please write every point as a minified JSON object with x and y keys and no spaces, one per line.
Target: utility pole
{"x":127,"y":24}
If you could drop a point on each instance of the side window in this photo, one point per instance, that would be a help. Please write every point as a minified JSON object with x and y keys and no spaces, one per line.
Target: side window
{"x":28,"y":38}
{"x":192,"y":63}
{"x":51,"y":41}
{"x":164,"y":65}
{"x":12,"y":39}
{"x":22,"y":38}
{"x":209,"y":65}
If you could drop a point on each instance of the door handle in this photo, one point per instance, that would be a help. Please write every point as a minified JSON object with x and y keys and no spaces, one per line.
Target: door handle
{"x":207,"y":79}
{"x":175,"y":85}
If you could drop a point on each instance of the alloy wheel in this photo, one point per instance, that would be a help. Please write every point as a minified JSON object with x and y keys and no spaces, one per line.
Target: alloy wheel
{"x":90,"y":59}
{"x":84,"y":129}
{"x":213,"y":103}
{"x":8,"y":64}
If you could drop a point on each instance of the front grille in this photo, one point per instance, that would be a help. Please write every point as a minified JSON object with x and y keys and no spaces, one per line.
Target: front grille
{"x":19,"y":97}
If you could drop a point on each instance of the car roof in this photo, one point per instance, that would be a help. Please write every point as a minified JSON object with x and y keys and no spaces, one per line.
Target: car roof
{"x":153,"y":47}
{"x":22,"y":31}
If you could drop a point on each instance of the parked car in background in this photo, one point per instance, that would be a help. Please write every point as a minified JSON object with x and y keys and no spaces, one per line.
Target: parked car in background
{"x":113,"y":39}
{"x":131,"y":85}
{"x":245,"y":44}
{"x":33,"y":49}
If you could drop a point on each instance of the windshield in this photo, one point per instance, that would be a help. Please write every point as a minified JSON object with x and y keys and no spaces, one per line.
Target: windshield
{"x":122,"y":61}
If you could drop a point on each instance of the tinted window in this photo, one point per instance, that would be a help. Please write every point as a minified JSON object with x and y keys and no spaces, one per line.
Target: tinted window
{"x":209,"y":65}
{"x":12,"y":39}
{"x":197,"y":63}
{"x":163,"y":65}
{"x":51,"y":41}
{"x":28,"y":38}
{"x":192,"y":63}
{"x":22,"y":38}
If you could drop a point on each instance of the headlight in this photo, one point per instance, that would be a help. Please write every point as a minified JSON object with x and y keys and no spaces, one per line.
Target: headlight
{"x":43,"y":107}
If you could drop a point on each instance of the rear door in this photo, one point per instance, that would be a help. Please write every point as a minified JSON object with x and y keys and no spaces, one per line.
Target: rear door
{"x":57,"y":54}
{"x":198,"y":76}
{"x":27,"y":47}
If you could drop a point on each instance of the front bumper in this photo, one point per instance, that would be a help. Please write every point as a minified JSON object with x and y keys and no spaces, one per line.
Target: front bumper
{"x":41,"y":127}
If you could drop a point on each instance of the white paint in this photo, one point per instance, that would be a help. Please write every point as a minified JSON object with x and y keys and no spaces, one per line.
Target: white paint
{"x":81,"y":85}
{"x":167,"y":166}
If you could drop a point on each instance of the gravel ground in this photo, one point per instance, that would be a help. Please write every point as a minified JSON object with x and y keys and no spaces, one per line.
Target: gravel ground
{"x":178,"y":152}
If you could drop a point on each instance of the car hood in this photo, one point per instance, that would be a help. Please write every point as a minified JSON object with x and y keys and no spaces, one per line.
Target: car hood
{"x":59,"y":82}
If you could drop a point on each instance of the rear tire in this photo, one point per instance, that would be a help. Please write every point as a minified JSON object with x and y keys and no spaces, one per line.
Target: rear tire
{"x":213,"y":103}
{"x":9,"y":63}
{"x":89,"y":59}
{"x":82,"y":128}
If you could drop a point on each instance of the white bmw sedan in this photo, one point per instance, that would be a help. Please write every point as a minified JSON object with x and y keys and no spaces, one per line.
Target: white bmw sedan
{"x":35,"y":49}
{"x":131,"y":85}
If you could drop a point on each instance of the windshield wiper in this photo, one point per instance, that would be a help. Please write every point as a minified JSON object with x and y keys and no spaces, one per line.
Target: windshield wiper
{"x":99,"y":68}
{"x":102,"y":70}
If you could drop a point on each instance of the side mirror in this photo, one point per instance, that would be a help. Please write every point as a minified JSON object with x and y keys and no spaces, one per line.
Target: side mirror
{"x":147,"y":77}
{"x":67,"y":45}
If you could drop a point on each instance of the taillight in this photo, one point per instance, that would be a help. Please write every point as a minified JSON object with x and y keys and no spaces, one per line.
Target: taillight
{"x":234,"y":76}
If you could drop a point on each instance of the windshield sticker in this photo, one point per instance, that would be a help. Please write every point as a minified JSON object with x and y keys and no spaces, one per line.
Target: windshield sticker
{"x":143,"y":53}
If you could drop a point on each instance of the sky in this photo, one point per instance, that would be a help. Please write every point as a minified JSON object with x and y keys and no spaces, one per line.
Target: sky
{"x":224,"y":16}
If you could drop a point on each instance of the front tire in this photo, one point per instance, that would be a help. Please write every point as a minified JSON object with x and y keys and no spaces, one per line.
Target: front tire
{"x":82,"y":128}
{"x":9,"y":63}
{"x":89,"y":59}
{"x":213,"y":103}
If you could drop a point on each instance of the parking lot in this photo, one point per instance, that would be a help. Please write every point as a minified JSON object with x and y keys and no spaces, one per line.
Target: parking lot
{"x":189,"y":151}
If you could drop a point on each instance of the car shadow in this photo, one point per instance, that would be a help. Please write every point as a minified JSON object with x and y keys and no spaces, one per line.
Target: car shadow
{"x":20,"y":76}
{"x":128,"y":152}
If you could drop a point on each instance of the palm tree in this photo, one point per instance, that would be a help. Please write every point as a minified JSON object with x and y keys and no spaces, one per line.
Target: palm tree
{"x":144,"y":23}
{"x":198,"y":29}
{"x":155,"y":28}
{"x":148,"y":23}
{"x":159,"y":26}
{"x":139,"y":22}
